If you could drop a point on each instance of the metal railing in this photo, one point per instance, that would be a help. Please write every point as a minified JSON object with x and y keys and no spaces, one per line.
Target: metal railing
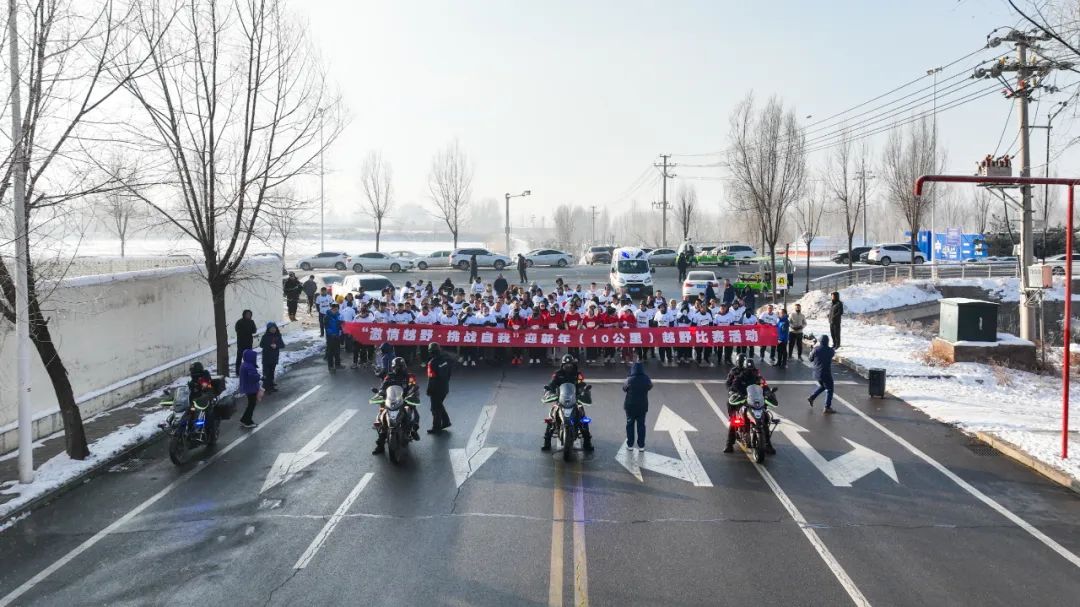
{"x":873,"y":274}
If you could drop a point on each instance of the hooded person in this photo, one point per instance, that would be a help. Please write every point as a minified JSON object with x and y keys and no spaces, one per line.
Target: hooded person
{"x":822,"y":357}
{"x":272,"y":344}
{"x":636,"y":405}
{"x":245,"y":336}
{"x":249,"y":385}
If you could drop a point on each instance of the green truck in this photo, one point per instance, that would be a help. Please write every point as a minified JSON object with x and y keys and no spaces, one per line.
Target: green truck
{"x":711,"y":256}
{"x":759,"y":279}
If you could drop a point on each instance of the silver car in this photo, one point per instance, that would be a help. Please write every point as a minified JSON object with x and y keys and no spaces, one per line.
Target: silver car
{"x":548,"y":257}
{"x":438,"y":259}
{"x":366,"y":262}
{"x":662,"y":257}
{"x":336,"y":260}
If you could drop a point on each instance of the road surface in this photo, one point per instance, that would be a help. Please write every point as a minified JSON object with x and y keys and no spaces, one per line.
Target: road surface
{"x":874,"y":505}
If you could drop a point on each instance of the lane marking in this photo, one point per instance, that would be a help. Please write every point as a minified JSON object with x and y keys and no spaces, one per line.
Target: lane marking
{"x":844,"y":469}
{"x":287,"y":465}
{"x":811,"y":535}
{"x":979,"y":495}
{"x":465,"y":462}
{"x":28,"y":585}
{"x":335,"y":518}
{"x":555,"y":578}
{"x":779,"y":382}
{"x":670,"y":422}
{"x":581,"y":568}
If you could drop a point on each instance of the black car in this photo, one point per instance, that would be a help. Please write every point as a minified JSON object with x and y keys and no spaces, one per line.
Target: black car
{"x":856,"y":254}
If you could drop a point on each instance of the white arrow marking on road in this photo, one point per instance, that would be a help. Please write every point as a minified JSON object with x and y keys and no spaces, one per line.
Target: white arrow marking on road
{"x":468,"y":460}
{"x":845,"y":469}
{"x":288,"y":464}
{"x":687,"y":468}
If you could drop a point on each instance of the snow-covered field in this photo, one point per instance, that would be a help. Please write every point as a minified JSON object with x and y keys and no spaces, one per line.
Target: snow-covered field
{"x":61,"y":469}
{"x":1021,"y":407}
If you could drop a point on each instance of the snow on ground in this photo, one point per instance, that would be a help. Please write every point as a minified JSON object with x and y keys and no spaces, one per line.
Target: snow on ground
{"x":61,"y":469}
{"x":864,"y":298}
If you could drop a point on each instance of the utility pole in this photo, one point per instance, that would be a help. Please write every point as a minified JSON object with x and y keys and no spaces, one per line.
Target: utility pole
{"x":1028,"y":78}
{"x":592,"y":214}
{"x":863,"y":176}
{"x":22,"y":261}
{"x":933,"y":157}
{"x":663,"y":204}
{"x":322,"y":196}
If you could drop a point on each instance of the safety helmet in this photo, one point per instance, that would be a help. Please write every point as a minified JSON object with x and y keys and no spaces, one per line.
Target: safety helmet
{"x":568,"y":359}
{"x":433,"y":348}
{"x":196,"y":368}
{"x":748,"y":364}
{"x":740,"y":362}
{"x":398,"y":365}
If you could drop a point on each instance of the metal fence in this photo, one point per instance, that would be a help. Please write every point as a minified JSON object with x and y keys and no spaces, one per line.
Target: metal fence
{"x":872,"y":274}
{"x":85,"y":266}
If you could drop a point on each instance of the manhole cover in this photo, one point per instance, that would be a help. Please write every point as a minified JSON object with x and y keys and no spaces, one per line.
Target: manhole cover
{"x":982,"y":449}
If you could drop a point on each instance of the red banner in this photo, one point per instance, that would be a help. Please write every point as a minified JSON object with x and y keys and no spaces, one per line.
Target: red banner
{"x":492,"y":337}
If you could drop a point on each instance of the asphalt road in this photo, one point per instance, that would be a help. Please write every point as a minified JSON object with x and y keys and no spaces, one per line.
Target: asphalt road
{"x":955,"y":527}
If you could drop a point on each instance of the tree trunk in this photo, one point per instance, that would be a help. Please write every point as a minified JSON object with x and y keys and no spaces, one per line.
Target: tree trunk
{"x":221,"y":328}
{"x":915,"y":244}
{"x":121,"y":247}
{"x":455,"y":238}
{"x":808,"y":266}
{"x":378,"y":233}
{"x":850,"y":239}
{"x":772,"y":272}
{"x":74,"y":434}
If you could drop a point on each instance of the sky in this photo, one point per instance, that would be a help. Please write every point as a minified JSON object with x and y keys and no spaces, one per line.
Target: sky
{"x":575,"y":100}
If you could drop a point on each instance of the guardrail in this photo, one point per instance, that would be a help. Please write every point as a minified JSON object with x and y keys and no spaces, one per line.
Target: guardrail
{"x":873,"y":274}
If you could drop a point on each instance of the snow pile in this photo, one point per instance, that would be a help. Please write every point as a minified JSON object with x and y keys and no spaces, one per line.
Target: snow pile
{"x":865,"y":298}
{"x":61,"y":469}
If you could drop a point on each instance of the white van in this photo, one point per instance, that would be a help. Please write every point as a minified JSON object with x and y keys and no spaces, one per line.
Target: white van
{"x":630,"y":270}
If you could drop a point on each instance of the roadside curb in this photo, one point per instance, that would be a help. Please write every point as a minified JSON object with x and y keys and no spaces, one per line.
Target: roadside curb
{"x":1015,"y":453}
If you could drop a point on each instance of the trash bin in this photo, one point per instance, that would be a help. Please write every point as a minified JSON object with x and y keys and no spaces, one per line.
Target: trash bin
{"x":877,"y":383}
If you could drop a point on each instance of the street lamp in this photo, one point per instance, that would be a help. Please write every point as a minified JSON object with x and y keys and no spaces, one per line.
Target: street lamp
{"x":933,"y":158}
{"x":508,"y":197}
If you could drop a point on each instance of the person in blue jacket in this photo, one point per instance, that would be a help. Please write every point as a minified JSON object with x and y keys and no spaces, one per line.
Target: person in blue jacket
{"x":636,"y":404}
{"x":822,"y":357}
{"x":333,"y":339}
{"x":272,"y":344}
{"x":783,"y":328}
{"x":249,"y":386}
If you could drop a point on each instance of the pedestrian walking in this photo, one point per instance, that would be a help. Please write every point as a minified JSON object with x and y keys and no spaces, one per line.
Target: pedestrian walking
{"x":798,"y":323}
{"x":293,"y":288}
{"x":522,"y":266}
{"x":438,"y":387}
{"x":474,"y":268}
{"x":249,"y":386}
{"x":333,"y":339}
{"x":836,"y":312}
{"x":245,"y":336}
{"x":311,"y":290}
{"x":272,"y":344}
{"x":636,"y":405}
{"x":822,"y":357}
{"x":783,"y":325}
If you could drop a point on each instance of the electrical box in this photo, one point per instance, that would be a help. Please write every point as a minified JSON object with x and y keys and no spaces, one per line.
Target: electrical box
{"x":964,"y":319}
{"x":1041,"y":276}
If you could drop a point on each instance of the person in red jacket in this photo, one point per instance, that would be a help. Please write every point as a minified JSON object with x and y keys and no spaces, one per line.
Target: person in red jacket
{"x":572,"y":322}
{"x":555,"y":321}
{"x":627,"y":320}
{"x":592,"y":320}
{"x":611,"y":321}
{"x":515,"y":322}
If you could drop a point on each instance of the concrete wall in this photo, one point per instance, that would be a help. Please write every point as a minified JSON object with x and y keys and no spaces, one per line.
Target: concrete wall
{"x":122,"y":334}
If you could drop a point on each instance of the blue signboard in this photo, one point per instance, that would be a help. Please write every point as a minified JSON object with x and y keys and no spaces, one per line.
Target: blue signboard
{"x":952,"y":245}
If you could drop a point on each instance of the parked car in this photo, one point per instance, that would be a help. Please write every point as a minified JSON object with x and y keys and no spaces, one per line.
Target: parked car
{"x":380,"y":261}
{"x":630,"y":270}
{"x":711,"y":256}
{"x":548,"y":257}
{"x":371,"y":285}
{"x":409,"y":255}
{"x":330,"y":281}
{"x":739,"y":252}
{"x":438,"y":259}
{"x":697,"y":281}
{"x":460,"y":259}
{"x":854,"y":254}
{"x":600,"y":254}
{"x":1057,"y":263}
{"x":336,"y":260}
{"x":992,"y":259}
{"x":661,"y":257}
{"x":886,"y":254}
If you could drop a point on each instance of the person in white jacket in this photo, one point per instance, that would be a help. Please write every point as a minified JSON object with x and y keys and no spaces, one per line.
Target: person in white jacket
{"x":769,"y":317}
{"x":664,"y":317}
{"x":701,"y":317}
{"x":748,"y":318}
{"x":644,"y":316}
{"x":725,"y":317}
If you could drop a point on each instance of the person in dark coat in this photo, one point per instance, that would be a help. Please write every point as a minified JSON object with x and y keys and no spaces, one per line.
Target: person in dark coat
{"x":522,"y":267}
{"x":245,"y":336}
{"x":710,"y":294}
{"x":749,"y":299}
{"x":310,"y":289}
{"x":474,"y":268}
{"x":822,"y":357}
{"x":729,"y":293}
{"x":501,"y":286}
{"x":249,"y":386}
{"x":446,"y":289}
{"x":293,"y":288}
{"x":272,"y":344}
{"x":438,"y":372}
{"x":836,"y":312}
{"x":636,"y":404}
{"x":682,"y":263}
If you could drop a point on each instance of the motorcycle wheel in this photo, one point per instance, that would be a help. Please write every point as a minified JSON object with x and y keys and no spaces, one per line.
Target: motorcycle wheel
{"x":759,"y":446}
{"x":393,"y":447}
{"x":180,"y":448}
{"x":568,"y":443}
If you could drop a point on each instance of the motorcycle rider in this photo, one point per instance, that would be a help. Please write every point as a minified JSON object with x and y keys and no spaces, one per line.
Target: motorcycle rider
{"x":399,"y":376}
{"x":568,"y":373}
{"x":743,"y":374}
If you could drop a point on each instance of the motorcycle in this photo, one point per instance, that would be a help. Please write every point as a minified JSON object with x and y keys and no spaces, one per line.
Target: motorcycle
{"x":395,"y":418}
{"x":753,"y":424}
{"x":195,"y":420}
{"x":567,"y":415}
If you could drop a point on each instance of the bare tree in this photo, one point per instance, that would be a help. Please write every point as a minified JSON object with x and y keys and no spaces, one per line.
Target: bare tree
{"x":909,"y":153}
{"x":119,"y":208}
{"x":62,"y":53}
{"x":843,"y":168}
{"x":808,"y":215}
{"x":767,"y":159}
{"x":686,"y":209}
{"x":284,"y":212}
{"x":376,"y":178}
{"x":450,"y":185}
{"x":564,"y":225}
{"x":232,"y":107}
{"x":981,"y":203}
